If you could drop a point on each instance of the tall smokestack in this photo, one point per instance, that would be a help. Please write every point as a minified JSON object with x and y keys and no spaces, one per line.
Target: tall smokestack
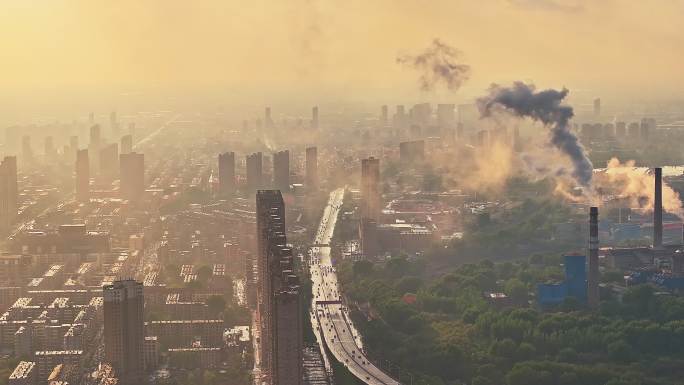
{"x":593,"y":278}
{"x":658,"y":209}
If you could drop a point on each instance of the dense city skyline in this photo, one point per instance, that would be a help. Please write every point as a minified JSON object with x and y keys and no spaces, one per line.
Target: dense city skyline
{"x":319,"y":192}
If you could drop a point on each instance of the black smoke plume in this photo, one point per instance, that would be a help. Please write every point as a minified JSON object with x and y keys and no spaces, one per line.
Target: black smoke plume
{"x":545,"y":106}
{"x":438,"y":64}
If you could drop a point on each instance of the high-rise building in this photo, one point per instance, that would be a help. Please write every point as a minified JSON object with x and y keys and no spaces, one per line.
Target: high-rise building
{"x":226,"y":171}
{"x":399,"y":119}
{"x":127,"y":144}
{"x":124,"y":330}
{"x":314,"y":117}
{"x":647,"y":126}
{"x":9,"y":192}
{"x":254,"y":164}
{"x":109,"y":165}
{"x":114,"y":124}
{"x":268,"y":120}
{"x":71,"y":149}
{"x":412,"y":153}
{"x":370,"y":189}
{"x":132,"y":170}
{"x":278,"y":295}
{"x":91,"y":118}
{"x":368,"y":234}
{"x":420,"y":114}
{"x":597,"y":107}
{"x":94,"y":147}
{"x":82,"y":176}
{"x":281,"y":170}
{"x":384,"y":115}
{"x":270,"y":216}
{"x":95,"y":135}
{"x":311,"y":169}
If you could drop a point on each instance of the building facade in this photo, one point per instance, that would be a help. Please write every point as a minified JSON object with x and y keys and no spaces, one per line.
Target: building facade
{"x":226,"y":167}
{"x":132,"y":169}
{"x":124,"y":330}
{"x":370,"y":189}
{"x":278,"y":294}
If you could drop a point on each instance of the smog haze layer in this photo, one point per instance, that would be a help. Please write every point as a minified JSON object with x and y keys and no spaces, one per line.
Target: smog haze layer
{"x":67,"y":55}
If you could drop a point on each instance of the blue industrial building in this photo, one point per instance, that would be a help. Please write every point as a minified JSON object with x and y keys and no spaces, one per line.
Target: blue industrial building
{"x":574,"y":285}
{"x":665,"y":280}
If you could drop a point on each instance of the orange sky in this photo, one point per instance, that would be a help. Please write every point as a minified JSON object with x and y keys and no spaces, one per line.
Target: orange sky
{"x":344,"y":49}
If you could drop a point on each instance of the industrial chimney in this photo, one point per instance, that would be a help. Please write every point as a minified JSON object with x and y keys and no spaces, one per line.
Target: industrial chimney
{"x":593,"y":278}
{"x":658,"y":209}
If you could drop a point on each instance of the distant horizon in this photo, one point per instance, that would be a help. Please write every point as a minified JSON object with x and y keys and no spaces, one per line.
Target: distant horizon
{"x":81,"y":55}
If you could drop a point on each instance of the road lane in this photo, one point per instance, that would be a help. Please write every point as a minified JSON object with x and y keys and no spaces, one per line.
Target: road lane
{"x":330,"y":319}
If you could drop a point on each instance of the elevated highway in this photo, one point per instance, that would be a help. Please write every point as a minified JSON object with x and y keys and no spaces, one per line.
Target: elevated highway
{"x":329,"y":317}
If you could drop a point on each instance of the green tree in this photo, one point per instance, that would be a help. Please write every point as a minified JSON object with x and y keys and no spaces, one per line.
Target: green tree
{"x":216,"y":305}
{"x":204,"y":273}
{"x":567,"y":355}
{"x":516,"y":290}
{"x":621,"y":351}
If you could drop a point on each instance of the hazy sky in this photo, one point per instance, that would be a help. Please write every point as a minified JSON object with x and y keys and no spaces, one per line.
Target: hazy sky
{"x":306,"y":49}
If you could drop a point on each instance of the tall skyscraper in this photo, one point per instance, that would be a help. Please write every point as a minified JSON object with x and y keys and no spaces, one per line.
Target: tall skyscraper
{"x":384,"y":115}
{"x":278,"y":297}
{"x":268,"y":120}
{"x":597,"y":107}
{"x":132,"y":170}
{"x":254,"y":172}
{"x":114,"y":124}
{"x":314,"y":117}
{"x":91,"y":118}
{"x":281,"y":170}
{"x":124,"y":330}
{"x":311,"y":169}
{"x":109,"y":165}
{"x":9,"y":192}
{"x":370,"y":189}
{"x":412,"y":153}
{"x":127,"y":144}
{"x":399,"y":120}
{"x":226,"y":171}
{"x":95,"y":135}
{"x":82,"y":176}
{"x":71,"y":150}
{"x":94,"y":147}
